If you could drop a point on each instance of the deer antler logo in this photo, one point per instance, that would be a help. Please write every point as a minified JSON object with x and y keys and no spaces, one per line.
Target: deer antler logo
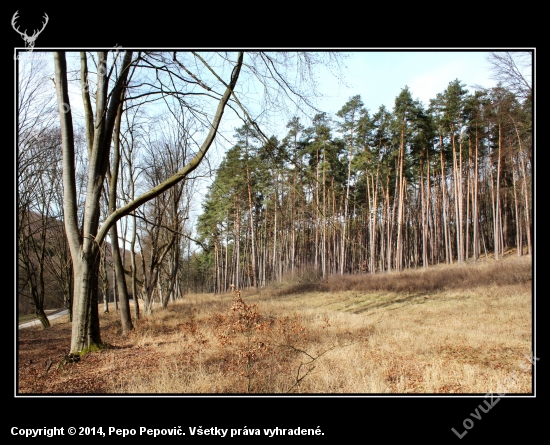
{"x":29,"y":40}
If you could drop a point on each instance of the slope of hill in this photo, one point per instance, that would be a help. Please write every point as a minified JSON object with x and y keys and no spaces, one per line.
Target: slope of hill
{"x":449,"y":329}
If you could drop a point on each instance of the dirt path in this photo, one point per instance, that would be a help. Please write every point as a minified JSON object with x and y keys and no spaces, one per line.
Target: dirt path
{"x":37,"y":322}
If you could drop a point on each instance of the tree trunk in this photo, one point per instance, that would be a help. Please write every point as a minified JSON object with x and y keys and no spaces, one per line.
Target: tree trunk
{"x":457,"y":199}
{"x":344,"y":222}
{"x":134,"y":266}
{"x":475,"y":215}
{"x":251,"y":222}
{"x":400,"y":205}
{"x":424,"y":217}
{"x":122,"y":291}
{"x":447,"y":235}
{"x":527,"y":208}
{"x":497,"y":219}
{"x":104,"y":278}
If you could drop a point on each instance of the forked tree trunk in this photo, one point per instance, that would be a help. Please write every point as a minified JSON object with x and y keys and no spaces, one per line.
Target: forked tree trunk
{"x":84,"y":251}
{"x":84,"y":241}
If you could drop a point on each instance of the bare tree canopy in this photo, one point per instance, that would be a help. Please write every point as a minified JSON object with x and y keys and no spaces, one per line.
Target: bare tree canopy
{"x":514,"y":70}
{"x":200,"y":86}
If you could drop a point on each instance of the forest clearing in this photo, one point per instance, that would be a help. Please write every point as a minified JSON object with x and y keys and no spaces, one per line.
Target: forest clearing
{"x":447,"y":329}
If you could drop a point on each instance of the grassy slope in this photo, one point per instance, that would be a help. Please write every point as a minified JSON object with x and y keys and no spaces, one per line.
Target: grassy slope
{"x":447,"y":329}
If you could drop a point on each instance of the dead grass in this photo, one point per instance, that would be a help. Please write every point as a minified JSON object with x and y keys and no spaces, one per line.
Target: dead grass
{"x":448,"y":329}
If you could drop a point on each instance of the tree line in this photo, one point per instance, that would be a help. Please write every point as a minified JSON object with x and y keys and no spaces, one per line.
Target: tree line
{"x":373,"y":192}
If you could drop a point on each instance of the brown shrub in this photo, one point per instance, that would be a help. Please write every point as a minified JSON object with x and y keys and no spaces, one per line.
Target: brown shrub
{"x":264,"y":351}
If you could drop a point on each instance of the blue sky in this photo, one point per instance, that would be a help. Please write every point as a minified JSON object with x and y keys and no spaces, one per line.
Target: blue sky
{"x":379,"y":76}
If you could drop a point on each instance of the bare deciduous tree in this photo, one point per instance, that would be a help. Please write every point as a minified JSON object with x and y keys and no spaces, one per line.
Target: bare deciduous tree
{"x":196,"y":77}
{"x":513,"y":69}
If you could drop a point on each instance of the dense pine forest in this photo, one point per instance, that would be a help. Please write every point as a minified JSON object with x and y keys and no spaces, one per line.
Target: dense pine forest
{"x":369,"y":192}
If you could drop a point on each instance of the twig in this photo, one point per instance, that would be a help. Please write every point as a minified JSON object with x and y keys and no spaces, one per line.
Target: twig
{"x":48,"y":366}
{"x":298,"y":378}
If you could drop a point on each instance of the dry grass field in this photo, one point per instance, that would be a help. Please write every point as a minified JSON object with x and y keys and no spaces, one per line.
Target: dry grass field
{"x":447,"y":329}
